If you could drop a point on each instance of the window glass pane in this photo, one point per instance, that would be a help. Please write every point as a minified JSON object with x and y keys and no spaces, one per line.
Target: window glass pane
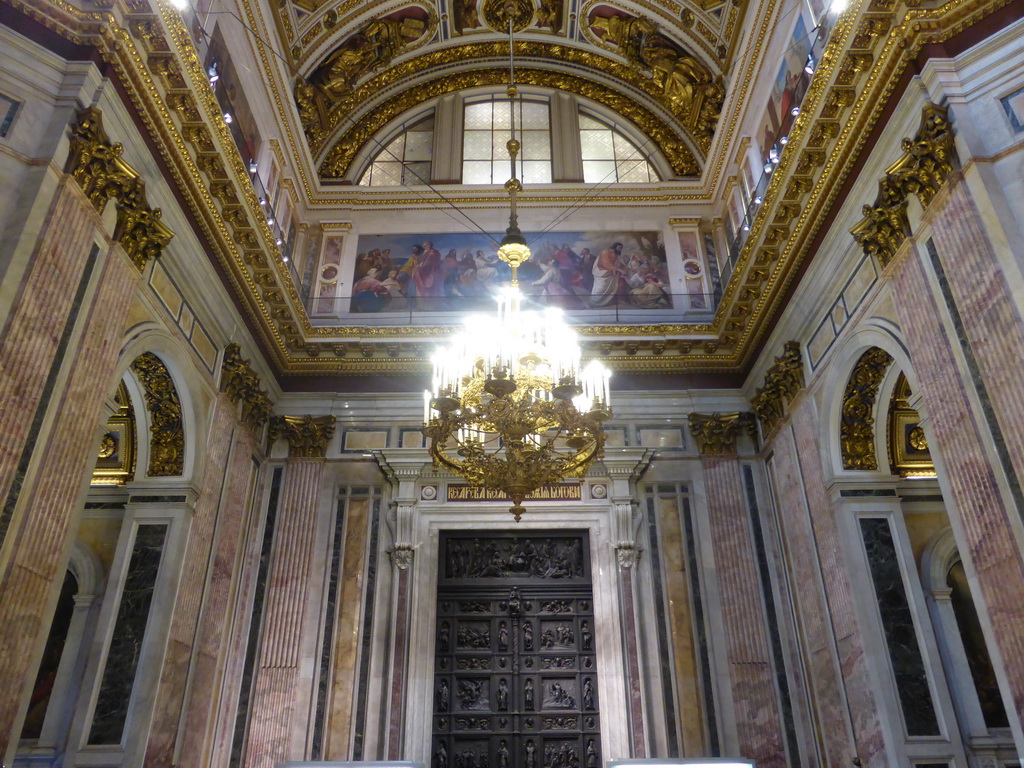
{"x":536,"y":145}
{"x":478,"y":116}
{"x":597,"y":145}
{"x":633,"y":171}
{"x":417,"y":173}
{"x":536,"y":172}
{"x":587,"y":123}
{"x":500,"y":172}
{"x":418,"y":145}
{"x":394,"y":149}
{"x":598,"y":171}
{"x":502,"y":115}
{"x":499,"y":140}
{"x":625,"y":148}
{"x":476,"y":145}
{"x":387,"y":174}
{"x":365,"y":181}
{"x":535,"y":115}
{"x":476,"y":172}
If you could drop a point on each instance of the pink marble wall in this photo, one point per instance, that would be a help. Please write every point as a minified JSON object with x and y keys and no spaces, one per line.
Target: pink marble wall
{"x":37,"y":319}
{"x":827,"y":694}
{"x":49,"y":501}
{"x":751,"y":675}
{"x":636,"y":704}
{"x":398,"y":693}
{"x":274,"y":717}
{"x":960,"y":441}
{"x":196,"y":644}
{"x":867,"y":729}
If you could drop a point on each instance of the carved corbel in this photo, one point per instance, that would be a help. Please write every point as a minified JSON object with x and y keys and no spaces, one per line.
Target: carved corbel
{"x":781,"y":383}
{"x":242,"y":385}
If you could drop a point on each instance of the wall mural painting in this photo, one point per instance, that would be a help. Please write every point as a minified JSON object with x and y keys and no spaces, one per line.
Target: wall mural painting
{"x":788,"y":89}
{"x":572,"y":270}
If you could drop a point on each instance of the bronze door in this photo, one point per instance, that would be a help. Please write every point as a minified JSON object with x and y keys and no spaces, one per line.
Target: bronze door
{"x":515,"y":675}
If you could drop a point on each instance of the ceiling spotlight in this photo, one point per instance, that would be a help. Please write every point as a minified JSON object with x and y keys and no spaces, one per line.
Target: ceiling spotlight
{"x":838,"y":6}
{"x":212,"y":73}
{"x":180,"y":5}
{"x":263,"y":200}
{"x":746,"y":227}
{"x":809,"y":66}
{"x":284,"y":259}
{"x":281,"y":242}
{"x":227,"y":118}
{"x":784,"y":140}
{"x":794,"y":111}
{"x":773,"y":156}
{"x":768,"y":167}
{"x":253,"y":167}
{"x":270,"y":222}
{"x":758,"y":200}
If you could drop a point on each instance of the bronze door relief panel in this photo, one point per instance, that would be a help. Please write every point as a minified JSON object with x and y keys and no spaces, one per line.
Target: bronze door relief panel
{"x":515,"y":675}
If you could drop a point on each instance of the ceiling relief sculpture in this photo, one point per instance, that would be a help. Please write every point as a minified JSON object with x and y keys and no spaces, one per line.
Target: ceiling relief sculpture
{"x":687,"y":88}
{"x":373,"y":47}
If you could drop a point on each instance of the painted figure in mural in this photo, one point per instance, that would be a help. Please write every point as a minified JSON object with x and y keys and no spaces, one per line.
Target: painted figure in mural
{"x":607,"y":277}
{"x":550,"y":281}
{"x":426,"y":274}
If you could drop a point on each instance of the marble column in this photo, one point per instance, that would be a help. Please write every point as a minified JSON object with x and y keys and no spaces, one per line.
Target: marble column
{"x":751,"y":672}
{"x":277,"y":721}
{"x":201,"y":614}
{"x":984,"y":516}
{"x":43,"y":514}
{"x":49,"y":299}
{"x":841,"y":691}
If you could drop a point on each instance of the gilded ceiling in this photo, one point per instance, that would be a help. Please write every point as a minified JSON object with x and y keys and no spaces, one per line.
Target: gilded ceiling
{"x":659,"y":65}
{"x":151,"y":52}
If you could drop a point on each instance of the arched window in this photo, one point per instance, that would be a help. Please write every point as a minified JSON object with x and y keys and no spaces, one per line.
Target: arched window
{"x":487,"y":127}
{"x":609,"y":156}
{"x":405,"y":160}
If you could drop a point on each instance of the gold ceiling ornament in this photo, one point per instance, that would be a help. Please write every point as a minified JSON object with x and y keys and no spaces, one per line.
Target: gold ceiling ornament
{"x":167,"y":433}
{"x":339,"y":158}
{"x":242,"y":385}
{"x":307,"y":436}
{"x":781,"y":383}
{"x":115,"y":462}
{"x":716,"y":433}
{"x":686,"y":86}
{"x":511,"y":408}
{"x":499,"y":13}
{"x":926,"y":162}
{"x":102,"y":173}
{"x":371,"y":48}
{"x":856,"y":428}
{"x":909,"y":455}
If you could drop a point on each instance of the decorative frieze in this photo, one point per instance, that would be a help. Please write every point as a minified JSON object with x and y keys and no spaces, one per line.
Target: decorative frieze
{"x":781,"y":383}
{"x":101,"y":171}
{"x":242,"y":385}
{"x":167,"y":435}
{"x":716,"y":433}
{"x":307,"y":436}
{"x":926,"y":161}
{"x":856,"y":430}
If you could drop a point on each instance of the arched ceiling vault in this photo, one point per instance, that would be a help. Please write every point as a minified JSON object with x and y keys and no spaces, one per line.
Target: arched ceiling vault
{"x":375,"y":68}
{"x":682,"y":127}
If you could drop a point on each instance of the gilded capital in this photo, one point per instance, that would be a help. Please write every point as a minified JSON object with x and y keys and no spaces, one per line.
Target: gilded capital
{"x":716,"y":433}
{"x":781,"y":383}
{"x":921,"y":170}
{"x":307,"y":436}
{"x":242,"y":385}
{"x":102,"y":173}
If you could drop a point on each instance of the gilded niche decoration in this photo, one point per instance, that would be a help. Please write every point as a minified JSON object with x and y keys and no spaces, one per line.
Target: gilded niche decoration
{"x":115,"y":460}
{"x":686,"y":87}
{"x":371,"y":48}
{"x":102,"y":173}
{"x":908,"y":446}
{"x":856,"y":430}
{"x":307,"y":436}
{"x":241,"y":384}
{"x":926,"y":161}
{"x":497,"y":14}
{"x":781,"y":383}
{"x":716,"y":433}
{"x":167,"y":434}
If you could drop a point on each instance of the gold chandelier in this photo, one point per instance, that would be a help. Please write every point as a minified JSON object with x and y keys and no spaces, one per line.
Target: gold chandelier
{"x":511,"y":408}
